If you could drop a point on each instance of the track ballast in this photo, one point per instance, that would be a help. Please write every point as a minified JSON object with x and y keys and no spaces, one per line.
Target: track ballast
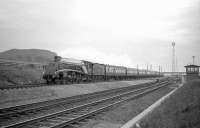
{"x":61,"y":112}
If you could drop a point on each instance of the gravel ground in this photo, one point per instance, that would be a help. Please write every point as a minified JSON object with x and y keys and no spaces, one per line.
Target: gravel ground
{"x":119,"y":115}
{"x":15,"y":97}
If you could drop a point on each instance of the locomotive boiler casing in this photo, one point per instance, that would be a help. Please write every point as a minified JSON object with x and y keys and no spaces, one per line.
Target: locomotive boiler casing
{"x":65,"y":69}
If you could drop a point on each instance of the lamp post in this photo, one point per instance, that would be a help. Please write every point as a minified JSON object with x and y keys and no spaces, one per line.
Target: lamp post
{"x":173,"y":57}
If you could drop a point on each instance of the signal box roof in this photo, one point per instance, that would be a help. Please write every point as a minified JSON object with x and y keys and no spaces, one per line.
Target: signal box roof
{"x":191,"y":65}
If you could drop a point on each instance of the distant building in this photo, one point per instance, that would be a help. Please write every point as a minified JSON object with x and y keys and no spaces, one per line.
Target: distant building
{"x":192,"y":72}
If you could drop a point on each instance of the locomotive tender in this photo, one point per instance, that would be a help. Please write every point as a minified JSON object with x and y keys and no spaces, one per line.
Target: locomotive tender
{"x":67,"y":70}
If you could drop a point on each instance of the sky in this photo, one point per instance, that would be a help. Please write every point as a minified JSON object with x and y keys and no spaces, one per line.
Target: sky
{"x":117,"y":32}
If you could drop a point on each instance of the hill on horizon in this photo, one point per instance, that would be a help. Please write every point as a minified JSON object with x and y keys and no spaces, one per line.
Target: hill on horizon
{"x":29,"y":55}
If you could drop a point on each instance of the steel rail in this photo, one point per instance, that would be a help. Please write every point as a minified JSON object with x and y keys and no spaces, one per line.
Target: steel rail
{"x":72,"y":109}
{"x":69,"y":101}
{"x":63,"y":124}
{"x":20,"y":86}
{"x":39,"y":105}
{"x":32,"y":85}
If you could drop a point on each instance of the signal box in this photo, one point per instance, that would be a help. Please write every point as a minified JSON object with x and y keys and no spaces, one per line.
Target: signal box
{"x":192,"y":72}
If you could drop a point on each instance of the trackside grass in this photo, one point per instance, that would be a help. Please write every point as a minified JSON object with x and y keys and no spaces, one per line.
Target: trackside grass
{"x":20,"y":74}
{"x":181,"y":110}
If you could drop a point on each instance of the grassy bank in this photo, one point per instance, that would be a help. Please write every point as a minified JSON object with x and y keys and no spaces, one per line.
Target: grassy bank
{"x":20,"y":74}
{"x":181,"y":110}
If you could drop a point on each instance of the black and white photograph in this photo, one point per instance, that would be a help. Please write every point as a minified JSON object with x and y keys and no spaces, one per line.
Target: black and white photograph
{"x":99,"y":63}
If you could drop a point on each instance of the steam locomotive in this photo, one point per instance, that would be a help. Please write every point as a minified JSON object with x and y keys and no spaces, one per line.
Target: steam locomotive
{"x":67,"y":70}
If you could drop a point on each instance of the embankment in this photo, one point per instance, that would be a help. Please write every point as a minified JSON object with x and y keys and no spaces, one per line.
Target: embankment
{"x":181,"y":110}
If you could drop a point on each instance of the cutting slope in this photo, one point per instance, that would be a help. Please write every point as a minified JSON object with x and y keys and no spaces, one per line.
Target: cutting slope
{"x":30,"y":55}
{"x":23,"y":73}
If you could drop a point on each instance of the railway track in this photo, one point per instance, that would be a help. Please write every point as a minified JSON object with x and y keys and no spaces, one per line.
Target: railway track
{"x":8,"y":113}
{"x":32,"y":85}
{"x":21,"y":86}
{"x":64,"y":112}
{"x":28,"y":107}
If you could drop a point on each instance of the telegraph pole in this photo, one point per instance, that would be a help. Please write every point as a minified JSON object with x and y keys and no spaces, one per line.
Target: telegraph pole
{"x":159,"y":69}
{"x":173,"y":57}
{"x":177,"y":65}
{"x":193,"y":57}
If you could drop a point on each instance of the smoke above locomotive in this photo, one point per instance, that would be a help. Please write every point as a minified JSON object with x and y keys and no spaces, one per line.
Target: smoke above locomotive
{"x":69,"y":70}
